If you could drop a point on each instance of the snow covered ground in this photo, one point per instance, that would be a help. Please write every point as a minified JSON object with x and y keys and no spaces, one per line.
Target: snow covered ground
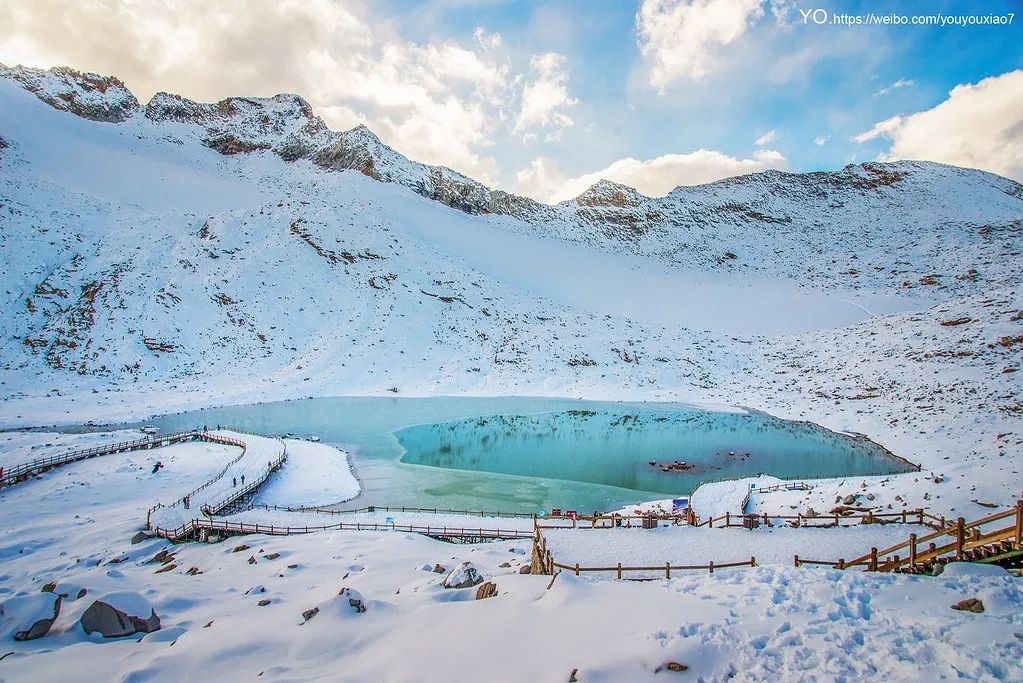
{"x":21,"y":447}
{"x":769,"y":623}
{"x":684,"y":545}
{"x":313,"y":474}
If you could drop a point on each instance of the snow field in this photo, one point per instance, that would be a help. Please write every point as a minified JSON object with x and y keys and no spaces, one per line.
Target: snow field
{"x":768,"y":623}
{"x":684,"y":545}
{"x":313,"y":474}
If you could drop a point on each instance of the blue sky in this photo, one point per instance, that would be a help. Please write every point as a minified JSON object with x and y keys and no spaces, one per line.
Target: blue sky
{"x":544,"y":97}
{"x":803,"y":81}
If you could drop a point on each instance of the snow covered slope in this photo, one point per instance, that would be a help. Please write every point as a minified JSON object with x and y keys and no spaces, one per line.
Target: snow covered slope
{"x":179,"y":254}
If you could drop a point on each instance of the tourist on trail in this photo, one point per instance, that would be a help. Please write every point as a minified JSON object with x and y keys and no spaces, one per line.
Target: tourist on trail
{"x":185,"y":501}
{"x":243,"y":480}
{"x":234,"y":481}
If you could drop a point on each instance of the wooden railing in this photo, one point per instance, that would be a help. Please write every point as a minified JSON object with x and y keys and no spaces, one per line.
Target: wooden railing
{"x":543,"y":562}
{"x":212,"y":437}
{"x":918,"y":516}
{"x":236,"y":495}
{"x":385,"y":508}
{"x":195,"y":526}
{"x":785,"y":486}
{"x":966,"y":537}
{"x":21,"y":472}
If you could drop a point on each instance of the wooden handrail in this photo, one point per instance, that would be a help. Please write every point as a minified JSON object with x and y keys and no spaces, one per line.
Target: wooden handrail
{"x":255,"y":528}
{"x":12,"y":474}
{"x":963,"y":540}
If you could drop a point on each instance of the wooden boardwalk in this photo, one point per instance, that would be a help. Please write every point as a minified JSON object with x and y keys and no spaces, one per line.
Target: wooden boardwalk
{"x":994,"y":539}
{"x":25,"y":471}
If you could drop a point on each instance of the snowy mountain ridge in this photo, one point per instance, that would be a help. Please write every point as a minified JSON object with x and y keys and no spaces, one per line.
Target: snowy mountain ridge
{"x":287,"y":125}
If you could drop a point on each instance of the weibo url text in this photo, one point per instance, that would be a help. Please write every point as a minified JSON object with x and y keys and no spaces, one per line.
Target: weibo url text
{"x":823,"y":17}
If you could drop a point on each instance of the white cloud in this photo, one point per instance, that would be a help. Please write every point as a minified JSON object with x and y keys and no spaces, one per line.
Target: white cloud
{"x":489,"y":41}
{"x":979,"y":126}
{"x":770,"y":157}
{"x":543,"y":180}
{"x":539,"y":179}
{"x":901,"y":83}
{"x":821,"y":140}
{"x":886,"y":128}
{"x":437,"y":102}
{"x":767,"y":138}
{"x":679,"y":38}
{"x":545,"y":99}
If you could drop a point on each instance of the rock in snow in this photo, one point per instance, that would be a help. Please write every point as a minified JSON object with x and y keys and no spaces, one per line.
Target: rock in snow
{"x":969,"y":605}
{"x":28,"y":617}
{"x":122,"y":613}
{"x":355,"y":599}
{"x":464,"y":575}
{"x":487,"y":590}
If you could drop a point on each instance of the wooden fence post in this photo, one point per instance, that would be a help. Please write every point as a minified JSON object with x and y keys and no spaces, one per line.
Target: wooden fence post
{"x":841,"y":563}
{"x":960,"y":537}
{"x":711,"y":566}
{"x":920,"y":517}
{"x":1019,"y":522}
{"x":912,"y":550}
{"x":667,"y":570}
{"x":619,"y":570}
{"x":577,"y":569}
{"x":903,"y":516}
{"x":873,"y":560}
{"x":795,"y":560}
{"x":728,"y":521}
{"x":753,"y":561}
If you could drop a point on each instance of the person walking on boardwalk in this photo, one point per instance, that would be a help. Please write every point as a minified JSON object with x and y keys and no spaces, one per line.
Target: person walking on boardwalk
{"x":243,"y":480}
{"x":185,"y":501}
{"x":234,"y":481}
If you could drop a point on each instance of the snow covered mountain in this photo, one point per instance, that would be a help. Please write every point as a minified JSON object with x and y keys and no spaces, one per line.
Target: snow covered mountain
{"x":181,"y":253}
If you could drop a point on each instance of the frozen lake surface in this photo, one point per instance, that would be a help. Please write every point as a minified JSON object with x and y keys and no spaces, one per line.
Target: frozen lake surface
{"x":528,"y":454}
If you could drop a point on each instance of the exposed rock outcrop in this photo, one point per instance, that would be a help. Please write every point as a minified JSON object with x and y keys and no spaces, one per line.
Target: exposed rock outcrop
{"x":123,"y":613}
{"x":27,"y":617}
{"x":89,"y":95}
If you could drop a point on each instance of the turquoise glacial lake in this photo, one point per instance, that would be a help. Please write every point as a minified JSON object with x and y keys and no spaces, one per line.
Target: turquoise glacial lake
{"x":528,"y":454}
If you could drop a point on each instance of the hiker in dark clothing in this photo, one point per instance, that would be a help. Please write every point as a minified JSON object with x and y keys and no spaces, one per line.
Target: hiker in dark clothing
{"x":234,"y":481}
{"x":185,"y":501}
{"x":243,"y":480}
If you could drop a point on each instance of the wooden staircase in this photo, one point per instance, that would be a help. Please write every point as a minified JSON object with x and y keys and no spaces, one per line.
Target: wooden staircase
{"x":995,"y":539}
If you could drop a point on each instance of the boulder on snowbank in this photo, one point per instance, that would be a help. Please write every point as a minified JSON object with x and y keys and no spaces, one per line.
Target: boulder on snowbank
{"x":122,"y":613}
{"x":355,"y":599}
{"x":27,"y":617}
{"x":464,"y":575}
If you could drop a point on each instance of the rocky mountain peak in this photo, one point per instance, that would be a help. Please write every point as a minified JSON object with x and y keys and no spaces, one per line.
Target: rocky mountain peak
{"x":85,"y":94}
{"x":609,"y":193}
